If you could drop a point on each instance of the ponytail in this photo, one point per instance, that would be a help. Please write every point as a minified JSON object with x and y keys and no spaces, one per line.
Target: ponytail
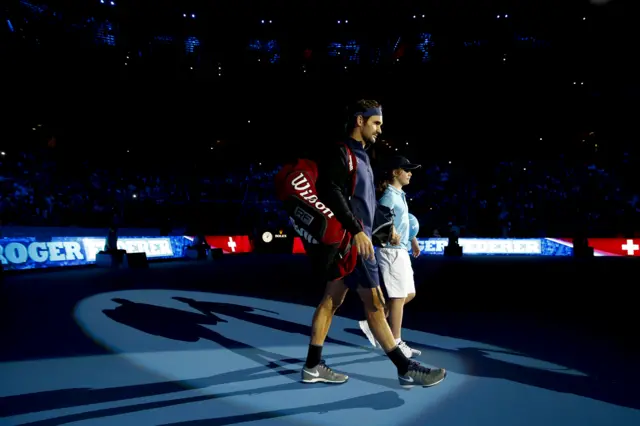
{"x":382,"y":187}
{"x":387,"y":179}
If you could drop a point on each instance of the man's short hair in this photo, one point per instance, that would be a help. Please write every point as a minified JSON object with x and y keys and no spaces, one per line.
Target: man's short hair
{"x":356,"y":109}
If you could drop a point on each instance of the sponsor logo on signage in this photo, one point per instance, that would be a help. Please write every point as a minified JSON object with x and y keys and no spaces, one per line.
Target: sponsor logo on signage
{"x":152,"y":247}
{"x":484,"y":246}
{"x":54,"y":251}
{"x":267,"y":237}
{"x":303,"y":187}
{"x":73,"y":251}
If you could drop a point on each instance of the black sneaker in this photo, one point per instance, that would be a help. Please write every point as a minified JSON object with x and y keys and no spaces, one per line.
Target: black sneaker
{"x":419,"y":375}
{"x":322,"y":374}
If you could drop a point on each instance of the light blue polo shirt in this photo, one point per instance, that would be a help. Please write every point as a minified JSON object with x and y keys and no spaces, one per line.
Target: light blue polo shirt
{"x":396,"y":199}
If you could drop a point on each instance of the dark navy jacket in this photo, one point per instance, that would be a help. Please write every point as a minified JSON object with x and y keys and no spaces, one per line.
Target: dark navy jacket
{"x":363,"y":202}
{"x":333,"y":188}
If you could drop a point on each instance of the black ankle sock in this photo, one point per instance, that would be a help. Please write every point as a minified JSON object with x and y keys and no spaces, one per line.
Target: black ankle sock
{"x":314,"y":356}
{"x":402,"y":362}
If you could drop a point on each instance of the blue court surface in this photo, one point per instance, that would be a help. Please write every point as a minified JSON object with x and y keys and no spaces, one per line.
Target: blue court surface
{"x":222,"y":343}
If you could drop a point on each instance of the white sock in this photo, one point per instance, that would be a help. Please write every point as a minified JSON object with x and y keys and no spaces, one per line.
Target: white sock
{"x":398,"y":341}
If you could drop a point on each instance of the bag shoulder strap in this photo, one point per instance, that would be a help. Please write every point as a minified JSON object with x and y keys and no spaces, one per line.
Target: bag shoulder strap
{"x":352,"y":164}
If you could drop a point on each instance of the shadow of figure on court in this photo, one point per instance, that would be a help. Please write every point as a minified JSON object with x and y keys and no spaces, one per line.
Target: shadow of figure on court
{"x":161,"y":321}
{"x":250,"y":315}
{"x":479,"y":362}
{"x":78,"y":397}
{"x":186,"y":326}
{"x":607,"y":389}
{"x":247,"y":314}
{"x":387,"y":400}
{"x":380,"y":401}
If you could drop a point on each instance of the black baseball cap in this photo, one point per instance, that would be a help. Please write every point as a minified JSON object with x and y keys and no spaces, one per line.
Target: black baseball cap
{"x":399,"y":162}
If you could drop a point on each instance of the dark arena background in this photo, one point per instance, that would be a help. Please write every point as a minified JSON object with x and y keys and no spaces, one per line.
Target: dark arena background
{"x":163,"y":124}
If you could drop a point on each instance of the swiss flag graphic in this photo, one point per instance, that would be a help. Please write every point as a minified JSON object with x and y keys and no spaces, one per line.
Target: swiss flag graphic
{"x":230,"y":244}
{"x":627,"y":247}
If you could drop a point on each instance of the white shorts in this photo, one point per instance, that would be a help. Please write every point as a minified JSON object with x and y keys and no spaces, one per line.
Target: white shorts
{"x":396,"y":270}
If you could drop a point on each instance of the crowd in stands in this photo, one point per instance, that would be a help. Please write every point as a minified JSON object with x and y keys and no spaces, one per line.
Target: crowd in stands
{"x":490,"y":199}
{"x":552,"y":198}
{"x":40,"y":188}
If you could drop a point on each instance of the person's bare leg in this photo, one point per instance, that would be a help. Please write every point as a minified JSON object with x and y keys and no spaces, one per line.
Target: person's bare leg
{"x":374,"y":306}
{"x":315,"y":370}
{"x":409,"y":298}
{"x":334,"y":295}
{"x":396,"y":313}
{"x":396,"y":310}
{"x":409,"y":373}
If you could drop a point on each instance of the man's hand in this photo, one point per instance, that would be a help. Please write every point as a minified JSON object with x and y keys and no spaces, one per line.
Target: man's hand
{"x":415,"y":247}
{"x":394,"y":238}
{"x":364,"y":246}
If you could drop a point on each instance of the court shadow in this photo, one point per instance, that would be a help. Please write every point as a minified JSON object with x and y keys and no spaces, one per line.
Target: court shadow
{"x":190,"y":327}
{"x":245,"y":313}
{"x":385,"y":400}
{"x":480,"y":363}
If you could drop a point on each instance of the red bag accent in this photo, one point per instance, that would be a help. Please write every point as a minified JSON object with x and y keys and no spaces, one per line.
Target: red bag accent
{"x":310,"y":217}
